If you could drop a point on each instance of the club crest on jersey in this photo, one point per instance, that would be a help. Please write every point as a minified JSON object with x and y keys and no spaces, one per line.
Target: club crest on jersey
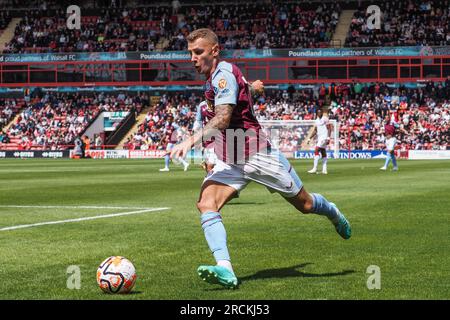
{"x":222,"y":83}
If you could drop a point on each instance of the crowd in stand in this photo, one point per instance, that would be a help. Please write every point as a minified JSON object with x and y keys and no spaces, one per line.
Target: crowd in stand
{"x":241,"y":26}
{"x":403,"y":23}
{"x":29,"y":4}
{"x":421,"y":115}
{"x":5,"y":18}
{"x":422,"y":118}
{"x":277,"y":24}
{"x":8,"y":108}
{"x":259,"y":26}
{"x":55,"y":120}
{"x":174,"y":113}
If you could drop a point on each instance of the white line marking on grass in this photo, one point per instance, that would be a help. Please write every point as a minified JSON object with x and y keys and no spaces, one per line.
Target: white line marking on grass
{"x":81,"y":219}
{"x":73,"y":207}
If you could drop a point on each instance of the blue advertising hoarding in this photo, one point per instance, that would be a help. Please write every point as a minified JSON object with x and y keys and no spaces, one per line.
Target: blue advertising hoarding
{"x":416,"y":51}
{"x":344,"y":154}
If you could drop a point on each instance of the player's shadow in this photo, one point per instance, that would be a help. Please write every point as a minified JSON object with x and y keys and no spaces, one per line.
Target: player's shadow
{"x":290,"y":272}
{"x":133,"y":292}
{"x":136,"y":292}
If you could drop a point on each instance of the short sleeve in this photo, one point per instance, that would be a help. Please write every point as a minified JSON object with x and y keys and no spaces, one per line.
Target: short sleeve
{"x":225,"y":88}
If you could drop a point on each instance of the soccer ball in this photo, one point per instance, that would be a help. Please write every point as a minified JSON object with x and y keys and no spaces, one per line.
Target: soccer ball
{"x":116,"y":275}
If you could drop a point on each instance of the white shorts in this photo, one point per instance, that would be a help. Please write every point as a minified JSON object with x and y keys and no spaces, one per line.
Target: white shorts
{"x":390,"y":144}
{"x":322,"y":143}
{"x":271,"y":170}
{"x":210,"y":156}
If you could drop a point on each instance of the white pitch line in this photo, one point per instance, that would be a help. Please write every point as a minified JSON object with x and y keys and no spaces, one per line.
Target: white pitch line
{"x":72,"y":207}
{"x":81,"y":219}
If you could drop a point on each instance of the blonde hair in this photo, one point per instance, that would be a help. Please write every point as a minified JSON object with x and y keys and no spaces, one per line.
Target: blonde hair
{"x":203,"y":33}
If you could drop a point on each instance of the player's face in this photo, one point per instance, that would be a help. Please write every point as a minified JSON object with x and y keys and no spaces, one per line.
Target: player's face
{"x":203,"y":54}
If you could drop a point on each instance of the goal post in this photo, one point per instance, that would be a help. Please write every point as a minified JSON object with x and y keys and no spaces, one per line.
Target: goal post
{"x":293,"y":136}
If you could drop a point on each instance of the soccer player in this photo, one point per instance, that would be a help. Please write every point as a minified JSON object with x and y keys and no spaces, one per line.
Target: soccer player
{"x":229,"y":100}
{"x":391,"y":141}
{"x":322,"y":129}
{"x":171,"y":137}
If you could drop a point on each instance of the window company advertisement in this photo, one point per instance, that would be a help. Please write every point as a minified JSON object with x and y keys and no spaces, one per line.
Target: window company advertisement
{"x":344,"y":154}
{"x":112,"y":119}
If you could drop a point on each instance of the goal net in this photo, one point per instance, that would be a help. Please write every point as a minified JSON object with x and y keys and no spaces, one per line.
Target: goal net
{"x":294,"y":137}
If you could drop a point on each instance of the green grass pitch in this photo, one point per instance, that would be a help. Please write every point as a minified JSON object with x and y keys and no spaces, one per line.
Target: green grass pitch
{"x":400,"y":222}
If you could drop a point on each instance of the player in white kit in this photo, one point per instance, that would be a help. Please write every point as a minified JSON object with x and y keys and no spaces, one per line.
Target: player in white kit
{"x":323,"y":131}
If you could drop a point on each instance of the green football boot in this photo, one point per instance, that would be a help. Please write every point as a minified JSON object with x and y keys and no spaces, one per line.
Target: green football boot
{"x":343,"y":226}
{"x":218,"y":275}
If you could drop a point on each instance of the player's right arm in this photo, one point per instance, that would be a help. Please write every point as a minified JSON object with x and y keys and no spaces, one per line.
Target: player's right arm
{"x":219,"y":122}
{"x":226,"y":95}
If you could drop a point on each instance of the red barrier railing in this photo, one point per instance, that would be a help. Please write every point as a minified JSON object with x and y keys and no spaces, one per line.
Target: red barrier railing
{"x":269,"y":70}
